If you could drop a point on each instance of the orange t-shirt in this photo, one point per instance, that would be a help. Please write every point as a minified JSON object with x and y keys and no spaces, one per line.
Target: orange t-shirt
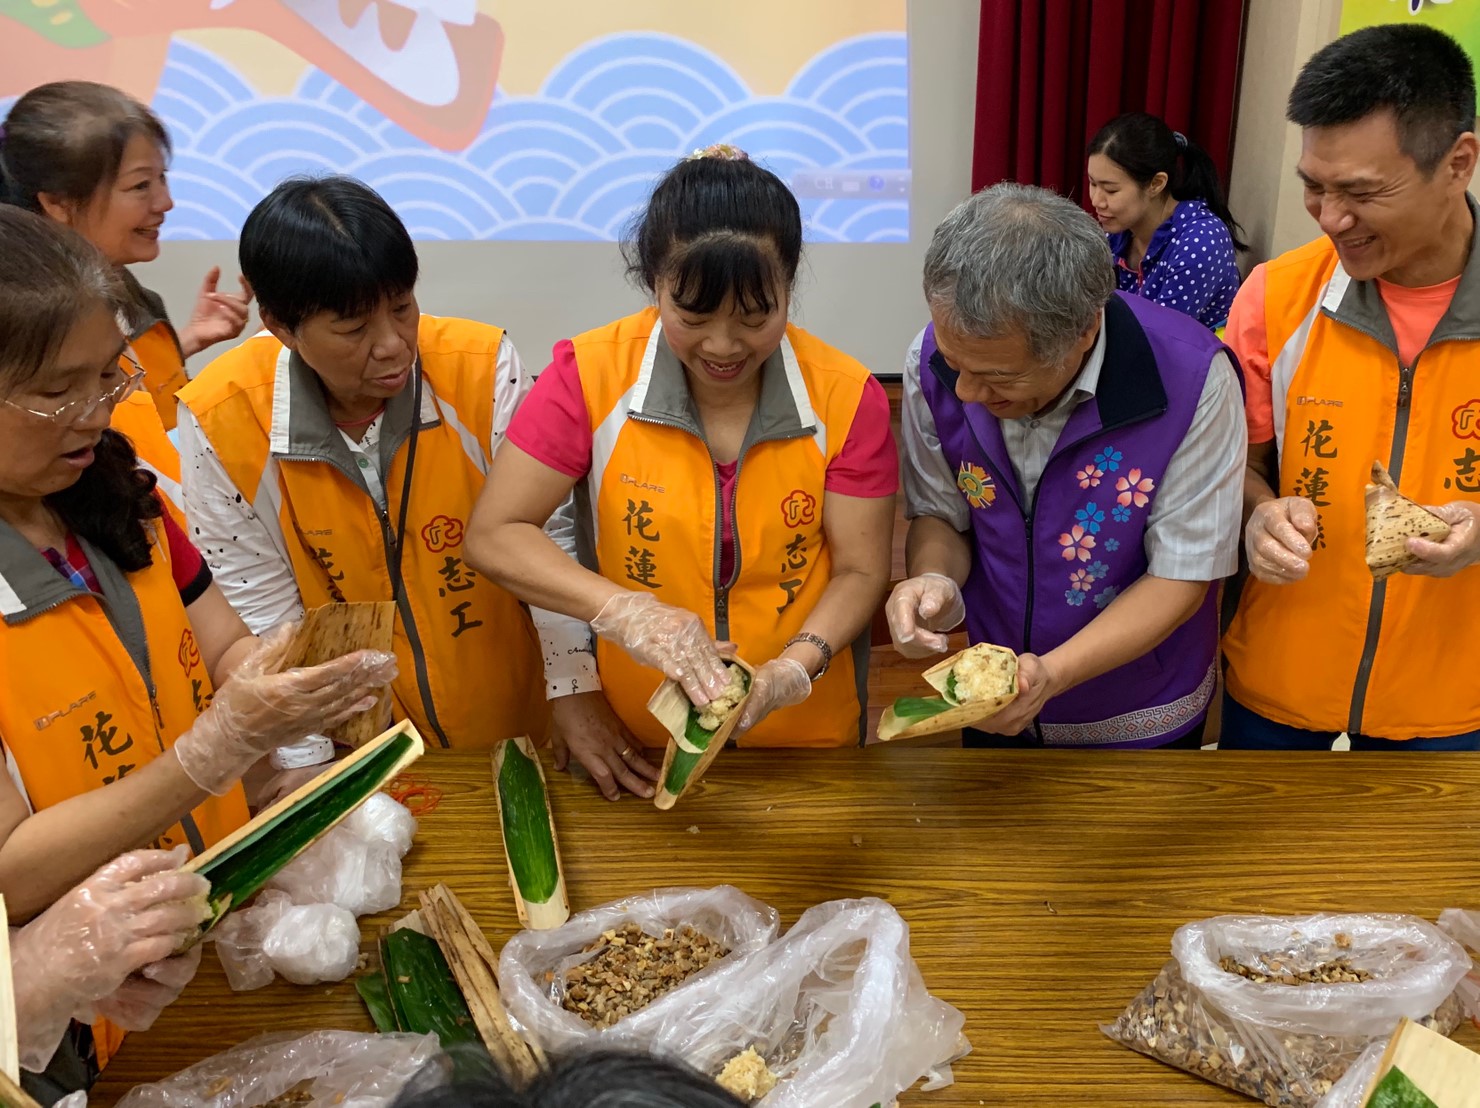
{"x":1413,"y":312}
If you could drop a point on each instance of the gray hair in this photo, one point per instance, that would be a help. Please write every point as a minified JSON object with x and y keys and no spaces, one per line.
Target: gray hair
{"x":1019,"y":259}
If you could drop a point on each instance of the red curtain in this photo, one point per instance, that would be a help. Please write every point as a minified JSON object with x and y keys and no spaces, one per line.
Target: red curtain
{"x":1050,"y":73}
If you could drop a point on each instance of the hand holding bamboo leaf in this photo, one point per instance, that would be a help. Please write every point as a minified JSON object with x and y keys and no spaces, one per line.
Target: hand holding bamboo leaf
{"x":669,"y":639}
{"x":260,"y":708}
{"x":132,"y":913}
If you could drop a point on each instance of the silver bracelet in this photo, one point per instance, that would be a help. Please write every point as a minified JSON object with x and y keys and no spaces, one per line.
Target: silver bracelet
{"x":815,"y":640}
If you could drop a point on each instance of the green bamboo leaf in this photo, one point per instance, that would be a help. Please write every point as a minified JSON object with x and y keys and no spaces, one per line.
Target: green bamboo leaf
{"x":915,"y":708}
{"x":239,"y":872}
{"x":423,"y":994}
{"x":528,"y":837}
{"x":376,"y":995}
{"x":684,"y":763}
{"x":1397,"y":1090}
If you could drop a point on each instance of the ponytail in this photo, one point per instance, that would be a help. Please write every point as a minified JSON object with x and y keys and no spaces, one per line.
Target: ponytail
{"x":1197,"y":179}
{"x":1144,"y":146}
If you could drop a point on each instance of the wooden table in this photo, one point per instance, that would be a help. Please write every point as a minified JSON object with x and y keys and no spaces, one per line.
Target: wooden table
{"x":1042,"y":888}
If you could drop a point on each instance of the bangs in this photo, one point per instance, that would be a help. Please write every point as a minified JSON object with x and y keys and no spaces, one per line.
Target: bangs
{"x":325,"y":246}
{"x":706,"y":272}
{"x":350,"y":279}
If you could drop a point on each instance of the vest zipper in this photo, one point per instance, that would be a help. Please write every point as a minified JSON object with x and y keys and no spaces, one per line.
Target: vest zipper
{"x":398,"y":594}
{"x":1379,"y":588}
{"x":413,"y":634}
{"x":1030,"y":522}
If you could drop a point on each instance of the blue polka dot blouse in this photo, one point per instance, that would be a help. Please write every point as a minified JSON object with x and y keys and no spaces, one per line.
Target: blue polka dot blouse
{"x":1189,"y":265}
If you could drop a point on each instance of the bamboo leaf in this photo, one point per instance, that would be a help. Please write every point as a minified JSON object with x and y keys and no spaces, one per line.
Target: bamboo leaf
{"x":528,"y":837}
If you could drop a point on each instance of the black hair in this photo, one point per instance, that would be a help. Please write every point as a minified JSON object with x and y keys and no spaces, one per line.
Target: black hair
{"x":1144,"y":146}
{"x":325,"y":244}
{"x":718,"y":227}
{"x":50,"y":278}
{"x":67,"y":139}
{"x":598,"y":1079}
{"x":1418,"y":73}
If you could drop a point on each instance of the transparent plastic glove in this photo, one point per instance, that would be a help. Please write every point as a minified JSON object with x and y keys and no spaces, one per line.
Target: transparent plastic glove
{"x":920,"y":609}
{"x":137,"y":1003}
{"x":135,"y":911}
{"x":667,"y":638}
{"x":1278,"y":539}
{"x":259,"y":708}
{"x":779,"y":683}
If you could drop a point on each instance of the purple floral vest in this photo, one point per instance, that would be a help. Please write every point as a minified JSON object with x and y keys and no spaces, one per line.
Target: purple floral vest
{"x":1042,"y":569}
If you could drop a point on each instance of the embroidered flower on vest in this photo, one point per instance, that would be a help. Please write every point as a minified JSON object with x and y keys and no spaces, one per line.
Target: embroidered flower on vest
{"x":1104,"y":596}
{"x":1081,"y":580}
{"x":976,"y":485}
{"x":1090,"y":517}
{"x":1077,"y":543}
{"x":1109,"y":459}
{"x":1133,"y":489}
{"x":1089,"y":477}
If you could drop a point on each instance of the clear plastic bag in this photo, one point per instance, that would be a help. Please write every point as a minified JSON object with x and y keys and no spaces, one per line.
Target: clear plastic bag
{"x":836,"y":1007}
{"x":1351,"y":1090}
{"x":308,"y":944}
{"x":1288,"y":1044}
{"x":313,"y":943}
{"x":532,"y":961}
{"x":1464,"y":927}
{"x":343,"y":869}
{"x":343,"y":1069}
{"x":383,"y":820}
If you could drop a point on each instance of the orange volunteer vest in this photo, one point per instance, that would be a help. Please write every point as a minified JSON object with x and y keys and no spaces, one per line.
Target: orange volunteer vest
{"x":654,"y":505}
{"x":1338,"y":651}
{"x":470,"y":660}
{"x":157,"y":347}
{"x":70,"y":728}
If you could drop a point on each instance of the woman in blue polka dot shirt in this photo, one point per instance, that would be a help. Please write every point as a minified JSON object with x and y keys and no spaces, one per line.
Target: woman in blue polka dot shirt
{"x":1157,"y":195}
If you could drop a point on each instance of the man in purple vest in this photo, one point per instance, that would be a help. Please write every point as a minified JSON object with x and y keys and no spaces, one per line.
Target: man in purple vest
{"x":1073,"y":476}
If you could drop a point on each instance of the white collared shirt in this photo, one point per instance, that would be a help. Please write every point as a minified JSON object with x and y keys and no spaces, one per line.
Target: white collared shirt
{"x":248,"y":553}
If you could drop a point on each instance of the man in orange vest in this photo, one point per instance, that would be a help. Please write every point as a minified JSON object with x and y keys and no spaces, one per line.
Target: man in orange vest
{"x":1363,"y":346}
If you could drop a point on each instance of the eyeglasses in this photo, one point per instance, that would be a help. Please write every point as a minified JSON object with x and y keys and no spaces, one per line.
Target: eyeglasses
{"x":74,"y":411}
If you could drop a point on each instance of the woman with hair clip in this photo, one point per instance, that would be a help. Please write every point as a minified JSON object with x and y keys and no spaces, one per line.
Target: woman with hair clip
{"x":734,"y":477}
{"x":93,"y":158}
{"x":1157,"y":195}
{"x":112,"y":634}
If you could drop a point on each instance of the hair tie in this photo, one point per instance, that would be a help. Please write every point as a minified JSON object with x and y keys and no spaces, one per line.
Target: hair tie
{"x":1180,"y":139}
{"x":724,"y":151}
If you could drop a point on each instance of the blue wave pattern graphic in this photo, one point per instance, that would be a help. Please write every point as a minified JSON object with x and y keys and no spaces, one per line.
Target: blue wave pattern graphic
{"x":571,"y":163}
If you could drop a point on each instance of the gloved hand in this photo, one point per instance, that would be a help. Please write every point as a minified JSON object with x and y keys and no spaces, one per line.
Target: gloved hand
{"x":666,"y":638}
{"x":259,"y":708}
{"x":137,"y":1003}
{"x":1278,"y":539}
{"x":920,"y":609}
{"x":779,"y":683}
{"x":135,"y":911}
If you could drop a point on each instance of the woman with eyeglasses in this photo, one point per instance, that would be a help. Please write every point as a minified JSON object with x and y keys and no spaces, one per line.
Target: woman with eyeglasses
{"x":93,"y":158}
{"x":112,"y":634}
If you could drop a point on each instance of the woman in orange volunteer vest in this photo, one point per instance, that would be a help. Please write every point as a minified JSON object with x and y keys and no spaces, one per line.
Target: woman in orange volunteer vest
{"x":734,"y":478}
{"x":112,"y":636}
{"x":338,"y":455}
{"x":94,"y":158}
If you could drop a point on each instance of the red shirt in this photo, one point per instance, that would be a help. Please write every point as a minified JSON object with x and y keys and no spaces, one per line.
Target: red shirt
{"x":552,"y":427}
{"x":192,"y":575}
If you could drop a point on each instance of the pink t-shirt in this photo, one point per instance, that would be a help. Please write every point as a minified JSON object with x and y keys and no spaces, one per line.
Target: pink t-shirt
{"x":552,"y":427}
